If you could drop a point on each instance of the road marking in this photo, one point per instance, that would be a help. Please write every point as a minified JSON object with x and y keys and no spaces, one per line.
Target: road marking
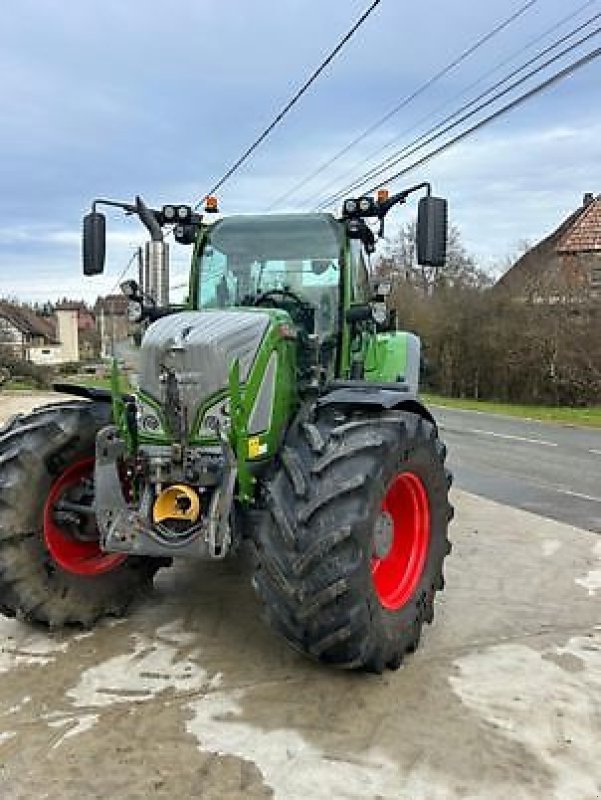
{"x":595,"y":452}
{"x":496,"y":415}
{"x":561,"y":490}
{"x":526,"y":439}
{"x":575,"y":494}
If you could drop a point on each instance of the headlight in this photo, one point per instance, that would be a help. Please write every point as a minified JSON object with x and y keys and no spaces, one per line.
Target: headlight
{"x":215,"y":417}
{"x":169,"y":213}
{"x":350,"y":206}
{"x":365,"y":204}
{"x":148,"y":420}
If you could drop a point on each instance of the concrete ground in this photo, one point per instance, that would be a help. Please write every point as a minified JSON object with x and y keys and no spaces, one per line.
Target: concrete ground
{"x":192,"y":697}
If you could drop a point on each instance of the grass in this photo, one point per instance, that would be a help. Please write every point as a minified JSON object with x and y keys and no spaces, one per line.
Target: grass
{"x":587,"y":417}
{"x":87,"y":380}
{"x":95,"y":382}
{"x":20,"y":385}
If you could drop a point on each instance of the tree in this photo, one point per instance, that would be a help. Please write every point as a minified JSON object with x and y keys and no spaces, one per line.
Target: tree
{"x":544,"y":347}
{"x":400,"y":263}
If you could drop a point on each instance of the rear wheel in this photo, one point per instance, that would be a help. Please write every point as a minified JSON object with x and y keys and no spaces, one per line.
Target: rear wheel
{"x":351,"y":553}
{"x":52,"y":569}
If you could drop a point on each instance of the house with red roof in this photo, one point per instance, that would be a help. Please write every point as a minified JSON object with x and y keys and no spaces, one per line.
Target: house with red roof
{"x":566,"y":264}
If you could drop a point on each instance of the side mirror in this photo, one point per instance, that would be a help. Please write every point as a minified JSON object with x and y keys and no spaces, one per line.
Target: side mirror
{"x":431,"y":236}
{"x":357,"y":314}
{"x":94,"y":243}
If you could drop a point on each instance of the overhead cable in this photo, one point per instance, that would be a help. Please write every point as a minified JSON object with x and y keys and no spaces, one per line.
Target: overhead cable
{"x":518,"y":101}
{"x":293,"y":101}
{"x":333,"y":198}
{"x":496,"y":68}
{"x":406,"y":101}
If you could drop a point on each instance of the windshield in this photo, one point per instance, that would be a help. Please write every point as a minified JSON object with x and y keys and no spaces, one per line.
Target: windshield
{"x":244,"y":257}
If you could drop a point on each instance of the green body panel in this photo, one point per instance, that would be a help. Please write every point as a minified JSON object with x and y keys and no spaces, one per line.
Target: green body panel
{"x":386,"y":356}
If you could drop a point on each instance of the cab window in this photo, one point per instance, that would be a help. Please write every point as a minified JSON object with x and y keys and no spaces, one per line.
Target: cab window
{"x":360,"y":275}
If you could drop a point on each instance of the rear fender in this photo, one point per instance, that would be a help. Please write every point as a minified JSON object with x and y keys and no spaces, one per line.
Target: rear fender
{"x":375,"y":396}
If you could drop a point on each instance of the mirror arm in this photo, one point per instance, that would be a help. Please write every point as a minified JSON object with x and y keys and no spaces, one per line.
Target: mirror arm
{"x":148,"y":216}
{"x":100,"y":201}
{"x":396,"y":199}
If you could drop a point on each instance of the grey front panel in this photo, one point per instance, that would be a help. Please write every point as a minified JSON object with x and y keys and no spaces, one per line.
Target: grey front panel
{"x":199,"y":346}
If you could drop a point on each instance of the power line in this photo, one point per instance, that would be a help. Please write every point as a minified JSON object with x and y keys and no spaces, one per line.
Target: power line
{"x":431,"y":135}
{"x":125,"y":270}
{"x":420,"y":90}
{"x":555,"y":78}
{"x":295,"y":98}
{"x":475,"y":83}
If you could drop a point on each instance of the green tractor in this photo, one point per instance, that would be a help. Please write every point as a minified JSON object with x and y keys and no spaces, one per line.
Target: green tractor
{"x":276,"y":410}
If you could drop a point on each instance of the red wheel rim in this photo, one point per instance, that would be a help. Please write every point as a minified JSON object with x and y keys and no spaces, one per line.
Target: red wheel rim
{"x":73,"y":555}
{"x":396,"y":574}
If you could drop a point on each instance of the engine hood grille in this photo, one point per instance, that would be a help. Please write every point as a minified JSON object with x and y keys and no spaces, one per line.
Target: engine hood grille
{"x":199,"y":347}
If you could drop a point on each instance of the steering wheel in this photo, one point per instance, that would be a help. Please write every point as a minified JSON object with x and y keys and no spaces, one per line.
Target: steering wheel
{"x":260,"y":299}
{"x":303,"y":314}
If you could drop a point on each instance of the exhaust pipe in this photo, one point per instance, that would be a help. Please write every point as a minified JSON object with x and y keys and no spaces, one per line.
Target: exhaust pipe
{"x":156,"y":257}
{"x":156,"y":271}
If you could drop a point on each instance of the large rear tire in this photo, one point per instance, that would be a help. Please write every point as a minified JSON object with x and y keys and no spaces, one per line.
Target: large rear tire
{"x":350,"y":555}
{"x":46,"y":574}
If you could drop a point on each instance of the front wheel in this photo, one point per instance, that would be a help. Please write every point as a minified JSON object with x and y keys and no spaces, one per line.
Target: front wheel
{"x":351,"y":554}
{"x":52,"y":569}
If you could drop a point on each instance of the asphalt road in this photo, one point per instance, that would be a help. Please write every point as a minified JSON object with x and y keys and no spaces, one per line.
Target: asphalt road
{"x":548,"y":469}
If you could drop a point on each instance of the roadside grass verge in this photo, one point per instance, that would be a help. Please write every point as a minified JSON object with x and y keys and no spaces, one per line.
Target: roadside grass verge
{"x":587,"y":417}
{"x":21,"y":385}
{"x":95,"y":382}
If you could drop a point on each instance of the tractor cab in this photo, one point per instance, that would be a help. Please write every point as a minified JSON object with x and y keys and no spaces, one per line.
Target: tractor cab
{"x":288,"y":261}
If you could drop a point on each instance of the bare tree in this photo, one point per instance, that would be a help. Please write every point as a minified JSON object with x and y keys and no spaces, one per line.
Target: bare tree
{"x":543,"y":347}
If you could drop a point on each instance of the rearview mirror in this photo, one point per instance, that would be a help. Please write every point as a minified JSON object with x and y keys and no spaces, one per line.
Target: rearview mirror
{"x":431,"y":235}
{"x":94,"y":243}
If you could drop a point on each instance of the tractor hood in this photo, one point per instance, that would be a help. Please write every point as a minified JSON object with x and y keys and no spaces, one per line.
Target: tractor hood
{"x":198,"y":348}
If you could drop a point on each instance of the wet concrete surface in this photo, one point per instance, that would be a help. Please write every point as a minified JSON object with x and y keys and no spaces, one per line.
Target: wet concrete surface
{"x":191,"y":696}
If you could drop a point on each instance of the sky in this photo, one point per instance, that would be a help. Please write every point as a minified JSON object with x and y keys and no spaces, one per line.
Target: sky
{"x":110,"y":99}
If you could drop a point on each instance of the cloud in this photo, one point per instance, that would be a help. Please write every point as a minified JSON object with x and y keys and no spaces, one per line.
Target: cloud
{"x":114,"y":99}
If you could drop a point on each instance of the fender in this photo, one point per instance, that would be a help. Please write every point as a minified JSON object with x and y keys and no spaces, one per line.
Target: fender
{"x":368,"y":394}
{"x":94,"y":393}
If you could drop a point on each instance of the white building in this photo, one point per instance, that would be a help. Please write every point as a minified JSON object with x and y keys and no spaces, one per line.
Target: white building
{"x":27,"y":336}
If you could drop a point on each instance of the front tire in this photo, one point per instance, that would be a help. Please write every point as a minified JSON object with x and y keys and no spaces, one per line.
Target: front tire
{"x":350,"y":555}
{"x":46,"y":574}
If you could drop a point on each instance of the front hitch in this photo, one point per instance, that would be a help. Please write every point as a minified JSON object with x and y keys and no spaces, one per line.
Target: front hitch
{"x":129,"y":529}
